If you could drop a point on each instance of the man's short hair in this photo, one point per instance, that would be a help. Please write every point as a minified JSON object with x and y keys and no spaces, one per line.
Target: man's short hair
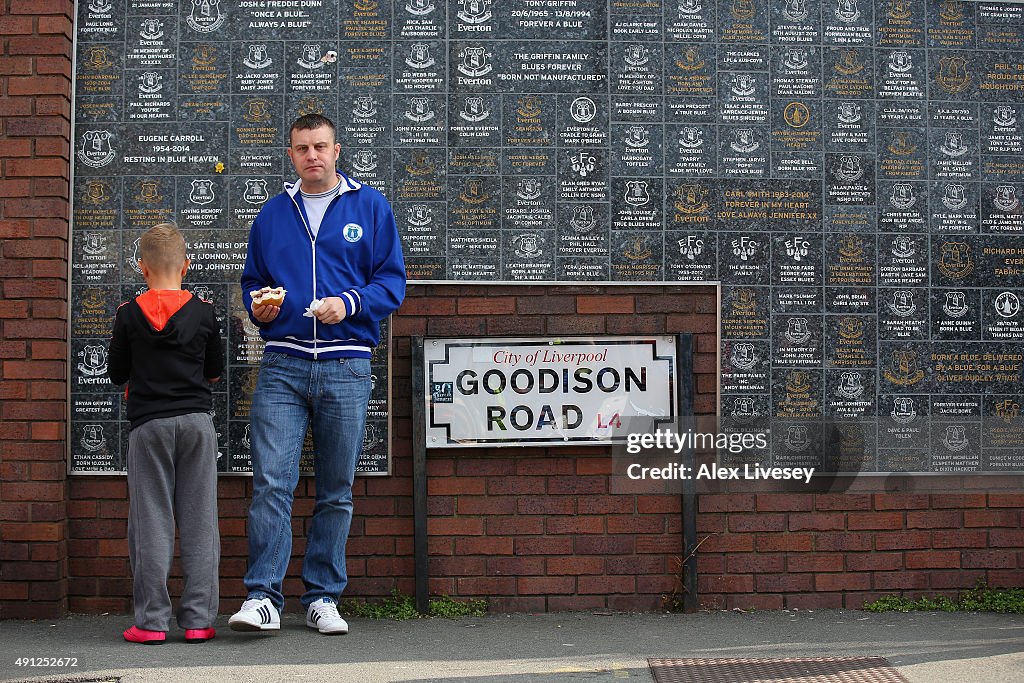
{"x":162,"y":248}
{"x":312,"y":122}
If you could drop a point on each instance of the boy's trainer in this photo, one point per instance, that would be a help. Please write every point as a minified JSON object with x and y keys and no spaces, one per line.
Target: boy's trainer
{"x":257,"y":614}
{"x":323,"y":616}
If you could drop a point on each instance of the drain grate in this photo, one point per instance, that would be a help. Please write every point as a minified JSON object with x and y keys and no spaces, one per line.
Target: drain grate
{"x":789,"y":670}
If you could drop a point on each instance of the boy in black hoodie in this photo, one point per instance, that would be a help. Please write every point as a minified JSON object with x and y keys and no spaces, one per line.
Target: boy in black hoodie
{"x":166,"y":345}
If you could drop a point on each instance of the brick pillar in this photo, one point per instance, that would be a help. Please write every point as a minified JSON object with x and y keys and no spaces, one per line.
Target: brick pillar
{"x":35,"y":134}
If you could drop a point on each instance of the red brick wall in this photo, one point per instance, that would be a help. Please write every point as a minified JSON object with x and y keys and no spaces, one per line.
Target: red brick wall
{"x":925,"y":535}
{"x":35,"y":129}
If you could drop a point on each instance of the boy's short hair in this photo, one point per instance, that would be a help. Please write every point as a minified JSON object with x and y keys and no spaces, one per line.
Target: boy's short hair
{"x":312,"y":122}
{"x":162,"y":248}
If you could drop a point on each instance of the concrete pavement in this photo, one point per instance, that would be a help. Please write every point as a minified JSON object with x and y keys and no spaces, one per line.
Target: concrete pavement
{"x":590,"y":646}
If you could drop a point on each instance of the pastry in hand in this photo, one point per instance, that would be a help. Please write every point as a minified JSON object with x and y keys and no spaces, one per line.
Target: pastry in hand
{"x":268,"y":296}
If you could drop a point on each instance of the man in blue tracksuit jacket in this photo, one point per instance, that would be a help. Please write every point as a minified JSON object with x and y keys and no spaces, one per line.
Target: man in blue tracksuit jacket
{"x":332,"y":244}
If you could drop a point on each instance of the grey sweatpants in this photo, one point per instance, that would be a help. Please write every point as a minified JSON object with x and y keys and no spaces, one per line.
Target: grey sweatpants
{"x":172,"y":474}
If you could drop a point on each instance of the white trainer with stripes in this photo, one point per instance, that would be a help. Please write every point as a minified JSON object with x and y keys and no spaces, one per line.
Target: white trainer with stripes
{"x":257,"y":614}
{"x":323,"y":616}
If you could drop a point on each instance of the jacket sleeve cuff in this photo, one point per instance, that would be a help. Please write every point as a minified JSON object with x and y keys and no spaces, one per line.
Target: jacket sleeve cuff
{"x":353,"y":303}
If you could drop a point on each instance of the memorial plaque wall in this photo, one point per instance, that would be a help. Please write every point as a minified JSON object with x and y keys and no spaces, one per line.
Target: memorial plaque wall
{"x":850,"y":171}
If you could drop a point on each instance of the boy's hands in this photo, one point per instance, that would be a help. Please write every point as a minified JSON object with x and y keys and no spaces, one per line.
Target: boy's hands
{"x":265,"y":313}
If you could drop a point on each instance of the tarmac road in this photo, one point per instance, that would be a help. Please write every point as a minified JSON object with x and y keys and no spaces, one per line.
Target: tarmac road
{"x":590,"y":646}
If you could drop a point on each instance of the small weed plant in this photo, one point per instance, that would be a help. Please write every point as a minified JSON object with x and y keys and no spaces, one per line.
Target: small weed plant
{"x":981,"y":598}
{"x":401,"y":607}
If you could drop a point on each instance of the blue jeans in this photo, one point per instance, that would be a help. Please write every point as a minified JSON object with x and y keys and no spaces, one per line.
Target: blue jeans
{"x":290,"y":394}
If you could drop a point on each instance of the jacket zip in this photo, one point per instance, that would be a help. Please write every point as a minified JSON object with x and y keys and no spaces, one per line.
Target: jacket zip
{"x":312,"y":241}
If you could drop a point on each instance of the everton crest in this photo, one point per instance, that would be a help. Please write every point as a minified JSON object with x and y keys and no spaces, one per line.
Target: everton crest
{"x":474,"y":110}
{"x":97,"y":57}
{"x":743,"y":356}
{"x":257,"y":111}
{"x":1004,"y":116}
{"x":636,"y":193}
{"x":796,"y":438}
{"x":419,"y":110}
{"x":689,"y":7}
{"x":474,"y":192}
{"x":955,"y":305}
{"x":691,"y":59}
{"x":94,"y":243}
{"x":636,"y":55}
{"x":527,"y":245}
{"x":202,"y":191}
{"x":474,"y":11}
{"x":691,"y":199}
{"x":419,"y":215}
{"x":902,"y":196}
{"x":94,"y":361}
{"x":528,"y":189}
{"x":743,"y":408}
{"x":954,"y":145}
{"x":902,"y":303}
{"x":364,"y":161}
{"x":795,"y":59}
{"x":148,"y":192}
{"x":795,"y":10}
{"x":474,"y":61}
{"x":797,"y":330}
{"x":583,"y":219}
{"x":96,"y":150}
{"x":848,"y":112}
{"x":848,"y":168}
{"x":691,"y":137}
{"x":257,"y":57}
{"x":420,"y":8}
{"x":151,"y":29}
{"x":311,"y":105}
{"x":638,"y":250}
{"x":955,"y":439}
{"x":419,"y":56}
{"x":583,"y":110}
{"x":851,"y":385}
{"x":903,"y":369}
{"x":903,"y":411}
{"x":744,"y":141}
{"x":956,"y":261}
{"x":743,"y":85}
{"x":311,"y":57}
{"x":365,"y":107}
{"x":900,"y":9}
{"x":255,"y":191}
{"x":96,"y":192}
{"x":742,"y":10}
{"x":847,"y":11}
{"x":205,"y":16}
{"x":93,"y":439}
{"x":900,"y":62}
{"x":954,"y":197}
{"x":953,"y":76}
{"x":151,"y":82}
{"x":1005,"y":198}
